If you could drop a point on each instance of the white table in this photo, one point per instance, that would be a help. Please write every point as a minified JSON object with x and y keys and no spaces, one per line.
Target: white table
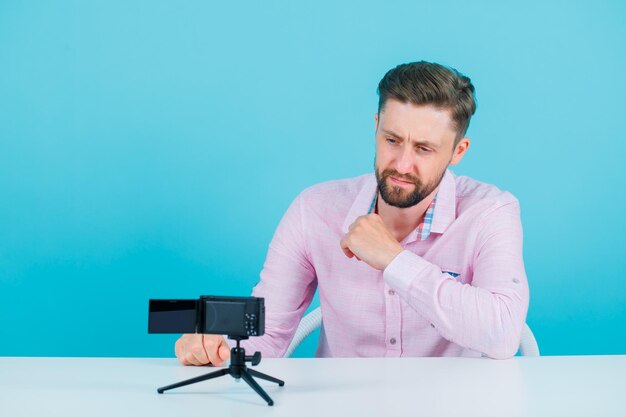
{"x":452,"y":387}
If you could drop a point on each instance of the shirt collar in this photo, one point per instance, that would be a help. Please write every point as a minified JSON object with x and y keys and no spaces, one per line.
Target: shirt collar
{"x":444,"y":210}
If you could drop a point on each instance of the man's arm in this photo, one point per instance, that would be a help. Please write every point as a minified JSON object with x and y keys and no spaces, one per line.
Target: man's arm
{"x":288,"y":283}
{"x":486,"y":316}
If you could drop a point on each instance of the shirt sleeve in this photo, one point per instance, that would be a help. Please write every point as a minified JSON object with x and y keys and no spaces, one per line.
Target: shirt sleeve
{"x":288,"y":283}
{"x":487,"y":315}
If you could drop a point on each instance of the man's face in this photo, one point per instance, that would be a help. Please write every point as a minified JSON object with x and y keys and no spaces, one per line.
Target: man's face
{"x":414,"y":146}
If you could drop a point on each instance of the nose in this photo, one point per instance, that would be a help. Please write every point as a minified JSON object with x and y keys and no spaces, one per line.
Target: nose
{"x":404,"y":163}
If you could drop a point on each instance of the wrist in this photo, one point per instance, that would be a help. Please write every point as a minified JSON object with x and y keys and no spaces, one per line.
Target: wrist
{"x":393,"y":253}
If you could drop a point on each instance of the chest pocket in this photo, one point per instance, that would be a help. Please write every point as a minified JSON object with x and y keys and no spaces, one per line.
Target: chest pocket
{"x":452,"y":272}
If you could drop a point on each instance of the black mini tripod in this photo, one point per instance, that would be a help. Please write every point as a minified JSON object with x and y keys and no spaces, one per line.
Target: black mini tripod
{"x":237,"y":369}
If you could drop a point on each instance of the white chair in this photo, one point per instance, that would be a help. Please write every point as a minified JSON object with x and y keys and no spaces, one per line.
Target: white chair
{"x":528,"y":344}
{"x":310,"y":322}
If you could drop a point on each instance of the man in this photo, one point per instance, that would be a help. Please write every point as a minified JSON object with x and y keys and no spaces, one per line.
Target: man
{"x":410,"y":261}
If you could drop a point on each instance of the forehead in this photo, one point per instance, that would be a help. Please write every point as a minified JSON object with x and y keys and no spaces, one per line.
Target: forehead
{"x":413,"y":122}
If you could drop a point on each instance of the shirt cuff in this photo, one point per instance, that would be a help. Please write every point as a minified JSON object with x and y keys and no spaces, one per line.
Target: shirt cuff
{"x":402,"y":270}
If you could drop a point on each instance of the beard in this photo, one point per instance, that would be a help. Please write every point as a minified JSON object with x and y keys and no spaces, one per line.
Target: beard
{"x":401,"y":197}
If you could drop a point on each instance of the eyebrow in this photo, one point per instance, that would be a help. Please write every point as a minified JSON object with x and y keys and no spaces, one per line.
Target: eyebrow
{"x":415,"y":142}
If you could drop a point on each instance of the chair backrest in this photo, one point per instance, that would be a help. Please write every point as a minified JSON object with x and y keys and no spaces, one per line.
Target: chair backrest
{"x":313,"y":320}
{"x":308,"y":325}
{"x":528,"y":344}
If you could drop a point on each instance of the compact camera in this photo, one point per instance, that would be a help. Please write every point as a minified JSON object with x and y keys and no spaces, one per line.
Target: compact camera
{"x":239,"y":317}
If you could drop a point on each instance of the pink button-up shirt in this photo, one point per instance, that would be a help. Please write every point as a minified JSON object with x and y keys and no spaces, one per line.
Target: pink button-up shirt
{"x":460,"y":292}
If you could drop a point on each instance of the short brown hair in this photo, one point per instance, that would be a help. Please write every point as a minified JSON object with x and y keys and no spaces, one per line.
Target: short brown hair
{"x":423,"y":83}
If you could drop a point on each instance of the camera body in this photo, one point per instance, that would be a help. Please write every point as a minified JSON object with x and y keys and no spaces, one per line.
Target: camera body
{"x":237,"y":317}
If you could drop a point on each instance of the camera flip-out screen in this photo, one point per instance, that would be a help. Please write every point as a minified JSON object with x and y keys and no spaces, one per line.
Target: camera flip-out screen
{"x":172,"y":316}
{"x":232,"y":316}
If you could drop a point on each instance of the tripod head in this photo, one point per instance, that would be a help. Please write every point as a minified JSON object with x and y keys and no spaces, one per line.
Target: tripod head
{"x":238,"y":354}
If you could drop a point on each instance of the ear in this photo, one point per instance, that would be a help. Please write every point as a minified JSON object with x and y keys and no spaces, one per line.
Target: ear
{"x":376,"y":122}
{"x":459,"y":151}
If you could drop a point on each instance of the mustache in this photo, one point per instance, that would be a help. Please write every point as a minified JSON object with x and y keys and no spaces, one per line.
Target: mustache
{"x":404,"y":177}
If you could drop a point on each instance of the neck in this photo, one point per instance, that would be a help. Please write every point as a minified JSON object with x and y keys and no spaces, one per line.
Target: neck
{"x":402,"y":221}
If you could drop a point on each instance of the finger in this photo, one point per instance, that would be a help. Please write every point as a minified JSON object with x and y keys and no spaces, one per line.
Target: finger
{"x":358,"y":221}
{"x":374,"y":216}
{"x":355,"y":224}
{"x":190,"y":359}
{"x":179,"y":353}
{"x":198,"y":354}
{"x":180,"y":348}
{"x":224,"y":351}
{"x":210,"y":347}
{"x":184,"y":361}
{"x":345,"y":247}
{"x":346,"y":250}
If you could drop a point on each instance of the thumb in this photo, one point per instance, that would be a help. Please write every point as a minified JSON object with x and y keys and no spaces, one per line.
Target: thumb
{"x":344,"y":247}
{"x":224,"y":351}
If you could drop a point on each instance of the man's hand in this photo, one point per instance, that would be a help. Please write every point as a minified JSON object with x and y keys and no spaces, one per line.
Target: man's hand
{"x":371,"y":242}
{"x":202,"y":349}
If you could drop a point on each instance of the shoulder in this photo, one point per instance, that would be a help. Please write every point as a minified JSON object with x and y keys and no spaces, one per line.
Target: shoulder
{"x":335,"y":190}
{"x":476,"y":195}
{"x":330,"y":201}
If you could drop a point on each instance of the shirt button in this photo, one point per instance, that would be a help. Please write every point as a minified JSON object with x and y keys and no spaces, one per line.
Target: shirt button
{"x":391,"y":292}
{"x":432,"y":325}
{"x":515,"y":280}
{"x":392,"y":340}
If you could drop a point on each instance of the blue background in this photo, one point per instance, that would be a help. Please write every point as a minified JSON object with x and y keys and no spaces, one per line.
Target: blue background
{"x":150,"y":148}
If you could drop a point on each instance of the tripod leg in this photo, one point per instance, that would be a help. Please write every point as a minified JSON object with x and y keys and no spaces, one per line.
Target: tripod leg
{"x":253,"y":384}
{"x":200,"y":378}
{"x":266,"y":377}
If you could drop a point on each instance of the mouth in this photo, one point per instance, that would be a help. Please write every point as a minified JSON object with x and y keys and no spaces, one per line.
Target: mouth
{"x":402,"y":183}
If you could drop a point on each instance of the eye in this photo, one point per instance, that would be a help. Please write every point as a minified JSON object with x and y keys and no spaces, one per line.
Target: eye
{"x":392,"y":141}
{"x":424,"y":149}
